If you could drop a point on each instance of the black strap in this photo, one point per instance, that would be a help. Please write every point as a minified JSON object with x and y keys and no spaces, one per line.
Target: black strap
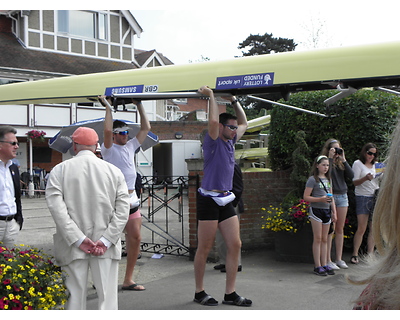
{"x":324,"y":186}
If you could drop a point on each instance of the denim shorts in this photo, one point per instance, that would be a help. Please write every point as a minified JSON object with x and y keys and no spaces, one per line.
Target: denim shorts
{"x":365,"y":205}
{"x":341,"y":200}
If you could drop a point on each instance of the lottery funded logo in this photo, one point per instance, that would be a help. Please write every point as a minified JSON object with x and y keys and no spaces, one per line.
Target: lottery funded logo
{"x":245,"y":81}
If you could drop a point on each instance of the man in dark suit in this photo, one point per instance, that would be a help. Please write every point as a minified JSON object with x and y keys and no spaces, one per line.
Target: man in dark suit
{"x":10,"y":188}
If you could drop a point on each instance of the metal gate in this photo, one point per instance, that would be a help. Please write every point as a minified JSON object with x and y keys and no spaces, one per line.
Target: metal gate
{"x":165,"y":223}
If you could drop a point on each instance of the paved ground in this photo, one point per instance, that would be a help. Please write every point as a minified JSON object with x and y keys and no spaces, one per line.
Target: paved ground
{"x":169,"y":281}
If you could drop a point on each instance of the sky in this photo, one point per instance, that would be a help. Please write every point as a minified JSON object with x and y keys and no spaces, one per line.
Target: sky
{"x":186,"y":31}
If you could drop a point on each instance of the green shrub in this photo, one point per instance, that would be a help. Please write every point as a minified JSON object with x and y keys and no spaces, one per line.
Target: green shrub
{"x":365,"y":116}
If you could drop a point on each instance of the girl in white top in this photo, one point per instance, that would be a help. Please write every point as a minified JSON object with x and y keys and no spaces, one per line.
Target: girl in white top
{"x":365,"y":187}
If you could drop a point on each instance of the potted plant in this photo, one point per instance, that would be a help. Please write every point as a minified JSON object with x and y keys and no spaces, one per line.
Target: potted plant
{"x":293,"y":234}
{"x":36,"y":134}
{"x":29,"y":280}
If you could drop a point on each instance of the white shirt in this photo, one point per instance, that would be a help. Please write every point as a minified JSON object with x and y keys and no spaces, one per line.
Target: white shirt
{"x":367,"y":188}
{"x":123,"y":157}
{"x":7,"y":195}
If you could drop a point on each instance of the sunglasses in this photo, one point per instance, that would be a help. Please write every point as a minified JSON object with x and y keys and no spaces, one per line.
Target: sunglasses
{"x":14,"y":143}
{"x":122,"y":133}
{"x":371,"y":153}
{"x":231,"y":127}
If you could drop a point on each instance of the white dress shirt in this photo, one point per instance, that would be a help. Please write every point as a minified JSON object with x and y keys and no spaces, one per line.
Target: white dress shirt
{"x":7,"y":194}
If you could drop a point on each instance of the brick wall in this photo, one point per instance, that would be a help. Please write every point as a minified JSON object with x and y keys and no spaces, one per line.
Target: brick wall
{"x":261,"y":189}
{"x":191,"y":130}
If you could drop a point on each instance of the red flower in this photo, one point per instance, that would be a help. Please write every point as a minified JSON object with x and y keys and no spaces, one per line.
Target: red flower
{"x":3,"y":303}
{"x":17,"y":306}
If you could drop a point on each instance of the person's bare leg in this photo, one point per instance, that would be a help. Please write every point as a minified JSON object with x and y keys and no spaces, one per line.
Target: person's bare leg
{"x":339,"y":231}
{"x":362,"y":223}
{"x":206,"y":234}
{"x":230,"y":231}
{"x":133,"y":239}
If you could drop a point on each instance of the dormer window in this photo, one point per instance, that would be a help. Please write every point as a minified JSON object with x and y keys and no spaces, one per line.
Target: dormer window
{"x":84,"y":24}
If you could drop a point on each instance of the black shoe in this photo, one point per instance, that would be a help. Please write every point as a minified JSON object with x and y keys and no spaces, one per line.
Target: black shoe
{"x":219,"y":266}
{"x":224,"y":269}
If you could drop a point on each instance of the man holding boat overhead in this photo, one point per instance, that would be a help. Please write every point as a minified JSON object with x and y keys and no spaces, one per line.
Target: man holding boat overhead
{"x":214,"y":201}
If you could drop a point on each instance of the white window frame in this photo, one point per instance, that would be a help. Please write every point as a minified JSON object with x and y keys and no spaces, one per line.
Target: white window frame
{"x":99,"y":23}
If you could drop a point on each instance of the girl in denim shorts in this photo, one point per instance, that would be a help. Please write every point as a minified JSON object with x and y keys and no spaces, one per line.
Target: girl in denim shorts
{"x":340,"y":170}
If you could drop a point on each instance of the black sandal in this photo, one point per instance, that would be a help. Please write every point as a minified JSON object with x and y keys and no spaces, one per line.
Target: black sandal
{"x":205,"y":299}
{"x":237,"y":300}
{"x":354,"y":260}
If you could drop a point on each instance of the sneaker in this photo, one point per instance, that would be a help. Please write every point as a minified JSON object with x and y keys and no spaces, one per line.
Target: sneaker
{"x":224,"y":269}
{"x":320,"y":271}
{"x":329,"y":270}
{"x":219,"y":266}
{"x":333,"y":265}
{"x":341,"y":264}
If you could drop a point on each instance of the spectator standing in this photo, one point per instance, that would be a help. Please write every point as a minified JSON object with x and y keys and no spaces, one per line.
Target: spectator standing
{"x":88,"y":199}
{"x":318,"y":192}
{"x":340,"y":170}
{"x":11,"y":218}
{"x":366,"y":185}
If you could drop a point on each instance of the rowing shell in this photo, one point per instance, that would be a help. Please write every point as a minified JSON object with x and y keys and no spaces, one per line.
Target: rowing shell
{"x":358,"y":66}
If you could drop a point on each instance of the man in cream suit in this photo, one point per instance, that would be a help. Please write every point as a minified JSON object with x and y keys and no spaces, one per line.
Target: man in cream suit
{"x":89,"y":201}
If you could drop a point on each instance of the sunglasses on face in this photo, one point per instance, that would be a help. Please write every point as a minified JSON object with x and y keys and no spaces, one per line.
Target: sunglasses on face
{"x":14,"y":143}
{"x":231,"y":127}
{"x":371,"y":153}
{"x":122,"y":133}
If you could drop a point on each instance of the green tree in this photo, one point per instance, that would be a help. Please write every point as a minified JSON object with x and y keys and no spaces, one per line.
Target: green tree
{"x":266,"y":44}
{"x":263,"y":44}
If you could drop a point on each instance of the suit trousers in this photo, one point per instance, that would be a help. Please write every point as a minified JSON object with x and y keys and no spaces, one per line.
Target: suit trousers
{"x":104,"y":274}
{"x":8,"y":233}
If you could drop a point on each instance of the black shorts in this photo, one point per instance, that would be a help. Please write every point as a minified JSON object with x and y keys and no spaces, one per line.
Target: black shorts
{"x":321,"y":215}
{"x":208,"y":209}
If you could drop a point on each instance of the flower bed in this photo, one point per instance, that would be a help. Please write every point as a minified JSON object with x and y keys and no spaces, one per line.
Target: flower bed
{"x":291,"y":219}
{"x":30,"y":280}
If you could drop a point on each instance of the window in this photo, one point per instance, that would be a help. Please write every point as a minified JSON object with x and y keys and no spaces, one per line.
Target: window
{"x":8,"y":81}
{"x":83,"y":23}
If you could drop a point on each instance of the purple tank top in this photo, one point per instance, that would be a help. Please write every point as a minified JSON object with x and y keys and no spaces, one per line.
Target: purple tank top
{"x":219,"y":162}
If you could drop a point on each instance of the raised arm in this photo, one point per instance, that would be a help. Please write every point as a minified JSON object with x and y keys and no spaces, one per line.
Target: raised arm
{"x":144,"y":122}
{"x":213,"y":113}
{"x":241,"y":117}
{"x":108,"y":122}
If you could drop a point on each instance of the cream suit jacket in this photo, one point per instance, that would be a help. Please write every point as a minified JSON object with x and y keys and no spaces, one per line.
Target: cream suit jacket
{"x":87,"y":196}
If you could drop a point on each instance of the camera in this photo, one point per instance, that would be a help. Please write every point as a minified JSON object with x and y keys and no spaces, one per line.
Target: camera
{"x":339,"y":151}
